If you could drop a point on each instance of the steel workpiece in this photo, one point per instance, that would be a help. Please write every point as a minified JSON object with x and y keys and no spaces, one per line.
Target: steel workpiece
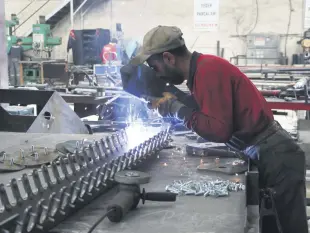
{"x":74,"y":180}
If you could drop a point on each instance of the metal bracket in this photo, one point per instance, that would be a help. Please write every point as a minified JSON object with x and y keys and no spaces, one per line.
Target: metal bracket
{"x":62,"y":190}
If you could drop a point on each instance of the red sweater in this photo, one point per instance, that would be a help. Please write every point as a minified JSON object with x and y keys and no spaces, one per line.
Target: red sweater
{"x":229,"y":102}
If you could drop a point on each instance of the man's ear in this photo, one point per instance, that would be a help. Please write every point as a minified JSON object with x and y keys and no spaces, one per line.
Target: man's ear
{"x":169,"y":58}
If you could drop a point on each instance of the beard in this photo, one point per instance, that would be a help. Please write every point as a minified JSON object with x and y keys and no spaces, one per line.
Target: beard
{"x":173,"y":75}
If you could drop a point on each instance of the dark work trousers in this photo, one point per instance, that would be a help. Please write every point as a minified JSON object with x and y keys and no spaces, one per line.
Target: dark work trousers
{"x":14,"y":72}
{"x":281,"y":166}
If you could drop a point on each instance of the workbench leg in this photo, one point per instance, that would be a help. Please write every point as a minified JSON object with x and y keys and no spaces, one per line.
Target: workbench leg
{"x":252,"y":202}
{"x":42,"y":73}
{"x":21,"y":74}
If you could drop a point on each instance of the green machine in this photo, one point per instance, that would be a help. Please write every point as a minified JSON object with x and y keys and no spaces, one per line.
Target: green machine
{"x":41,"y":40}
{"x":41,"y":43}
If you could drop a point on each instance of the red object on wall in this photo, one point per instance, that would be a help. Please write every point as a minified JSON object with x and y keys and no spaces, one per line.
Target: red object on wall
{"x":108,"y":53}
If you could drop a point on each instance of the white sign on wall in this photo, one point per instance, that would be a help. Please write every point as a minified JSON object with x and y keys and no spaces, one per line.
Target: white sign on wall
{"x":307,"y":15}
{"x":206,"y":15}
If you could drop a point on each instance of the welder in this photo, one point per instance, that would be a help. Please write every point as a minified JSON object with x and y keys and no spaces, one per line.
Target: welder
{"x":232,"y":111}
{"x":15,"y":55}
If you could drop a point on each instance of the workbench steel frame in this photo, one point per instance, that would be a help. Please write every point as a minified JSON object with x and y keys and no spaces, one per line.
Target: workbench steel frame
{"x":85,"y":175}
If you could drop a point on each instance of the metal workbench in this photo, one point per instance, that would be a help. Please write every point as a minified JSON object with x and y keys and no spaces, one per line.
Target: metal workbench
{"x":188,"y":214}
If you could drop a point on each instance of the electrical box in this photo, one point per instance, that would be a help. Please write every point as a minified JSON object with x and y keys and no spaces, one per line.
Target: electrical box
{"x":263,"y":41}
{"x":263,"y":49}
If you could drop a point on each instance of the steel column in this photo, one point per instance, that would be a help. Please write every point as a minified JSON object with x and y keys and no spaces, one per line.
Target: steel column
{"x":72,"y":14}
{"x":4,"y":80}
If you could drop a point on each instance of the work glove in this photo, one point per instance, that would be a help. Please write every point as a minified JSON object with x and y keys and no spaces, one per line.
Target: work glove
{"x":167,"y":106}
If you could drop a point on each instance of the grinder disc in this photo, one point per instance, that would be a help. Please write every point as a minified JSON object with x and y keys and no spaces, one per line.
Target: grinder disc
{"x":35,"y":157}
{"x":208,"y":149}
{"x":8,"y":165}
{"x":132,"y":177}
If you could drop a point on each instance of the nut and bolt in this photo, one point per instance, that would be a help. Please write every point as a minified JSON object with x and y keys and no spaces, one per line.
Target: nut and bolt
{"x":214,"y":188}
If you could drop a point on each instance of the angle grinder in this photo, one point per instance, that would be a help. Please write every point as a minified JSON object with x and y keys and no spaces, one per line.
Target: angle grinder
{"x":129,"y":195}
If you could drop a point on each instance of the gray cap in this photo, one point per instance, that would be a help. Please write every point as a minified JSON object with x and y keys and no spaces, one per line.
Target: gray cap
{"x":158,"y":40}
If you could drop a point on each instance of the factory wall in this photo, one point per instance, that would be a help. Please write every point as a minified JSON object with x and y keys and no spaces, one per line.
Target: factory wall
{"x":15,"y":6}
{"x":236,"y":19}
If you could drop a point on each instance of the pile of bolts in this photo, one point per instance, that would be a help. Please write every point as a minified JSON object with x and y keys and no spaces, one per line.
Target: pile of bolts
{"x":216,"y":188}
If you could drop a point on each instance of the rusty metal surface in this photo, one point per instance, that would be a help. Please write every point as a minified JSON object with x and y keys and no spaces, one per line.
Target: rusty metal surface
{"x":54,"y":192}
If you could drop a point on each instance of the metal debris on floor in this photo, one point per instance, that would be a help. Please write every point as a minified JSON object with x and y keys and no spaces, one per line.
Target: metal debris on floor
{"x":214,"y":188}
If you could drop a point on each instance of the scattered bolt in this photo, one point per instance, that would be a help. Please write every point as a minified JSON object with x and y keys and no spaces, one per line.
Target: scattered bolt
{"x":215,"y":188}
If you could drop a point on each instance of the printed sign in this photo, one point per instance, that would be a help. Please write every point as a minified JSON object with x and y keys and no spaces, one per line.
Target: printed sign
{"x":206,"y":15}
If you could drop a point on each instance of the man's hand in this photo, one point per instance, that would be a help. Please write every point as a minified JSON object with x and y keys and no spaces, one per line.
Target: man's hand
{"x":167,"y":106}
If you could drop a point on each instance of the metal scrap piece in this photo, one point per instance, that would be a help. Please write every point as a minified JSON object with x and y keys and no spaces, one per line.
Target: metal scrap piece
{"x":35,"y":157}
{"x":71,"y":146}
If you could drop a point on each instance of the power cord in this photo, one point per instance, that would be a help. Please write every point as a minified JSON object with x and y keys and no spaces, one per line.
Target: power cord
{"x":256,"y":18}
{"x":288,"y":26}
{"x":100,"y":220}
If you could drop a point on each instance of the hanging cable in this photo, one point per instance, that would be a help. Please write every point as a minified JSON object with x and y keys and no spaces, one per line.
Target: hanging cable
{"x":25,"y":7}
{"x":288,"y":26}
{"x":32,"y":15}
{"x":256,"y":18}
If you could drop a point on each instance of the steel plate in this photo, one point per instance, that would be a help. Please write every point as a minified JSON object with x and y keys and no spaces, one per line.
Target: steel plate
{"x":208,"y":149}
{"x":236,"y":167}
{"x":71,"y":146}
{"x":35,"y":157}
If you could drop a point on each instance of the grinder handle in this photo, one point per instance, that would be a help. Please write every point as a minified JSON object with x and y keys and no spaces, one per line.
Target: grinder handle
{"x":158,"y":196}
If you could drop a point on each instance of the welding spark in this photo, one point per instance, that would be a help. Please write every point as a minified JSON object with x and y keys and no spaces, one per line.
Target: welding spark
{"x":137,"y":133}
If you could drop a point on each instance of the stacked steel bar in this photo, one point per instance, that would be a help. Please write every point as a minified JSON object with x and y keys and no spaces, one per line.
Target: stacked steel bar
{"x":85,"y":175}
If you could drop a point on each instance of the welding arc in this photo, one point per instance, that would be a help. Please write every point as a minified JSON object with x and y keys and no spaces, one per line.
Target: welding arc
{"x":100,"y":220}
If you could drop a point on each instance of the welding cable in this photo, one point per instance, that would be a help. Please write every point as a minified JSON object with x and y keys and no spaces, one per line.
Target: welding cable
{"x":100,"y":220}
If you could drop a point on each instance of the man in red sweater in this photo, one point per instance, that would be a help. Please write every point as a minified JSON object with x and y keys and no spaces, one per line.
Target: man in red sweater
{"x":231,"y":110}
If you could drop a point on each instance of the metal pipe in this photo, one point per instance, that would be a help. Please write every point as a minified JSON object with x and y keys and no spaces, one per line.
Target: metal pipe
{"x":72,"y":14}
{"x":25,"y":7}
{"x":4,"y":80}
{"x":30,"y":16}
{"x":80,"y":7}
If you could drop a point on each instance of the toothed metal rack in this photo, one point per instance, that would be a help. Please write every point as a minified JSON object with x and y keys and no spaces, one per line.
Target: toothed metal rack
{"x":79,"y":178}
